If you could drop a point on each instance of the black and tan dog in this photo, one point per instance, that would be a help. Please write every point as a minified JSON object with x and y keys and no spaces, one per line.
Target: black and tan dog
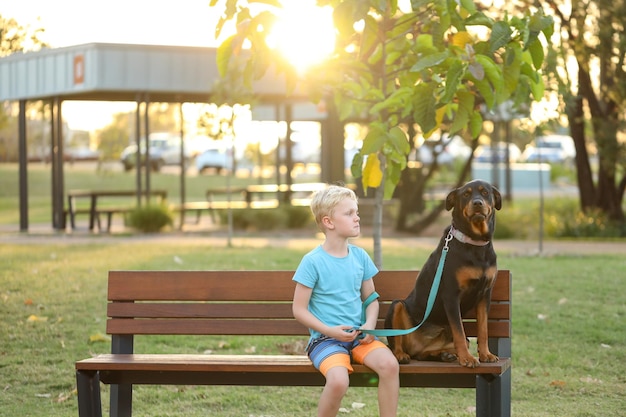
{"x":466,"y":282}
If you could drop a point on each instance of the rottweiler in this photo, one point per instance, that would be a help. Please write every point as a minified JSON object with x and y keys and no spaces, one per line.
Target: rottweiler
{"x":467,"y":279}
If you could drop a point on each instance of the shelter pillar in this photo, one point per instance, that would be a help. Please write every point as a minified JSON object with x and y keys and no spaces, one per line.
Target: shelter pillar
{"x":56,"y":154}
{"x":23,"y":162}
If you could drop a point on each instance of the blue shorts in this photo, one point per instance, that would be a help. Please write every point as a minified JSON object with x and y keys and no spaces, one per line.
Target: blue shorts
{"x":323,"y":348}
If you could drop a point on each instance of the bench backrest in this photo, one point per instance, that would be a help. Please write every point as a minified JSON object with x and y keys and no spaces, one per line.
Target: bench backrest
{"x":247,"y":302}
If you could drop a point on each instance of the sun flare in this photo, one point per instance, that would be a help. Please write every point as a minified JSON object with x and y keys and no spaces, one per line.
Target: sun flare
{"x":304,"y":34}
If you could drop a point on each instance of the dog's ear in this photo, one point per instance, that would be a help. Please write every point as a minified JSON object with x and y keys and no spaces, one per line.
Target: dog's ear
{"x":451,"y":199}
{"x":497,"y":198}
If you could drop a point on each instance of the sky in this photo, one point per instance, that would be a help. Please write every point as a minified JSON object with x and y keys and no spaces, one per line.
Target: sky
{"x":76,"y":22}
{"x":156,"y":22}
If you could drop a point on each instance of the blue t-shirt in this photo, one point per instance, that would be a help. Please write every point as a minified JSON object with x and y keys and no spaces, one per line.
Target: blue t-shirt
{"x":336,"y":283}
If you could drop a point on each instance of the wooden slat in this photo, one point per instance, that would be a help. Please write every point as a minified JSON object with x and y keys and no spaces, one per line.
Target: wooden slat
{"x":231,"y":285}
{"x":207,"y":327}
{"x":234,"y":310}
{"x":230,"y":310}
{"x":249,"y":327}
{"x":200,"y":285}
{"x":259,"y":363}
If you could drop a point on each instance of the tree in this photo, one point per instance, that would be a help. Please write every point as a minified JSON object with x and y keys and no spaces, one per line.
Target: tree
{"x":432,"y":64}
{"x":17,"y":38}
{"x":587,"y":68}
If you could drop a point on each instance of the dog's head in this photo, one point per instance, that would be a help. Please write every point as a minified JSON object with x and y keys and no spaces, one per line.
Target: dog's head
{"x":473,"y":208}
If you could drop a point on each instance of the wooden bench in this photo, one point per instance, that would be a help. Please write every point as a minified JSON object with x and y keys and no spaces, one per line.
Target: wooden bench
{"x":96,"y":207}
{"x":259,"y":303}
{"x":283,"y":192}
{"x":218,"y":199}
{"x":252,"y":196}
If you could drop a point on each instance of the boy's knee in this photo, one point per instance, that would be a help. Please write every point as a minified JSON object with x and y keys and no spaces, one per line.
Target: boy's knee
{"x":337,"y":380}
{"x":389,"y":365}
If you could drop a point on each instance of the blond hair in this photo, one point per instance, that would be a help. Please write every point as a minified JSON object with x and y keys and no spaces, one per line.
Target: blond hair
{"x":324,"y":201}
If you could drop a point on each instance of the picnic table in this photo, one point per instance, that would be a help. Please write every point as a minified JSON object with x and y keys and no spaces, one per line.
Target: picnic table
{"x":96,"y":196}
{"x":283,"y":192}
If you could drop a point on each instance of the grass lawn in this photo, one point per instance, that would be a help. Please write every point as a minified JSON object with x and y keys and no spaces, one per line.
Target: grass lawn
{"x":569,"y":343}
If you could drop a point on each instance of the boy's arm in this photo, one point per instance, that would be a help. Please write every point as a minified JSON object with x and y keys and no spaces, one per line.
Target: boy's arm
{"x":371,"y":313}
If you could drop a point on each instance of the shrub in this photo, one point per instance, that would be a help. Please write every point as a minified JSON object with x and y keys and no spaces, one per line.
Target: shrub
{"x":562,"y":218}
{"x":285,"y":216}
{"x":593,"y":223}
{"x":150,"y":219}
{"x":297,"y":217}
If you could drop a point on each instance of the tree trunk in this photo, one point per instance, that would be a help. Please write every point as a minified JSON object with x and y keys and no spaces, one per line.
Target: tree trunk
{"x":586,"y":187}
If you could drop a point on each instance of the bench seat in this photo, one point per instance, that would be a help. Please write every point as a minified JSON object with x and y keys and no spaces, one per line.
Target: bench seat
{"x":266,"y":370}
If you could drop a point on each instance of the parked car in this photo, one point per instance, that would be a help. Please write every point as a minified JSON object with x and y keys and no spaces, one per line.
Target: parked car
{"x":552,"y":149}
{"x":213,"y":158}
{"x":447,"y":150}
{"x":497,"y":153}
{"x":164,"y":150}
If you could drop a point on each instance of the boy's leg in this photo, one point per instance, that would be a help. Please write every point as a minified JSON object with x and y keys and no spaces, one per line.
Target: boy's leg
{"x":332,"y":359}
{"x":381,"y":360}
{"x":336,"y":386}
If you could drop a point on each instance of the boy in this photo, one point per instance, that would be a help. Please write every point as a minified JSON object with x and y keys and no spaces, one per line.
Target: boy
{"x":331,"y":282}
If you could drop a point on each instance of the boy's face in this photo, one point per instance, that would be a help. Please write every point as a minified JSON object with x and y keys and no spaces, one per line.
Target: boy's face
{"x":345,"y":219}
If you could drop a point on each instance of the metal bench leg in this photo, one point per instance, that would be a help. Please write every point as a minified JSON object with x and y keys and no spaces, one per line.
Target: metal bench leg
{"x":121,"y":400}
{"x":493,"y":395}
{"x":88,"y":388}
{"x":109,"y":221}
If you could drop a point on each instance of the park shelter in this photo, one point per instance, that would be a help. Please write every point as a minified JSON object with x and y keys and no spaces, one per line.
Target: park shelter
{"x":143,"y":74}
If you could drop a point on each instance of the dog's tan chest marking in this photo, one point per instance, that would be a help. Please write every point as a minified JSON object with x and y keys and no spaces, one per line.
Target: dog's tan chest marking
{"x":467,"y":275}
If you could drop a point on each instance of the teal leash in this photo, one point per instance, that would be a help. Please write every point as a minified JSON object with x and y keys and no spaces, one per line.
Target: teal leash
{"x":431,"y":299}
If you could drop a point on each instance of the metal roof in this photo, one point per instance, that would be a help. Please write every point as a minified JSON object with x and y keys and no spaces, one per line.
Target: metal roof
{"x":119,"y":72}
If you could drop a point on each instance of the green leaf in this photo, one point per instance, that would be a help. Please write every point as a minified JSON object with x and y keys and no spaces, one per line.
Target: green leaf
{"x":537,"y":88}
{"x":420,"y":4}
{"x":224,"y":52}
{"x":484,"y":88}
{"x":424,"y":106}
{"x":347,"y":12}
{"x":356,"y":168}
{"x":429,"y":61}
{"x":511,"y":72}
{"x":468,"y":5}
{"x":500,"y":35}
{"x":374,"y":141}
{"x":464,"y":110}
{"x":475,"y":124}
{"x":479,"y":19}
{"x":537,"y":54}
{"x":493,"y":74}
{"x":424,"y":44}
{"x":399,"y":140}
{"x":369,"y":38}
{"x":453,"y":78}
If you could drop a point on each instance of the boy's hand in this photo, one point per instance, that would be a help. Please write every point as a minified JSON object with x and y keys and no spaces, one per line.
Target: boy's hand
{"x":344,"y":333}
{"x":367,"y":338}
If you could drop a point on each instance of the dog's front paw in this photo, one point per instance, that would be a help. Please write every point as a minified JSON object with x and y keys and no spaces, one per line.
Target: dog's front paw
{"x":488,"y":358}
{"x":468,"y":361}
{"x":402,"y":357}
{"x":447,"y":357}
